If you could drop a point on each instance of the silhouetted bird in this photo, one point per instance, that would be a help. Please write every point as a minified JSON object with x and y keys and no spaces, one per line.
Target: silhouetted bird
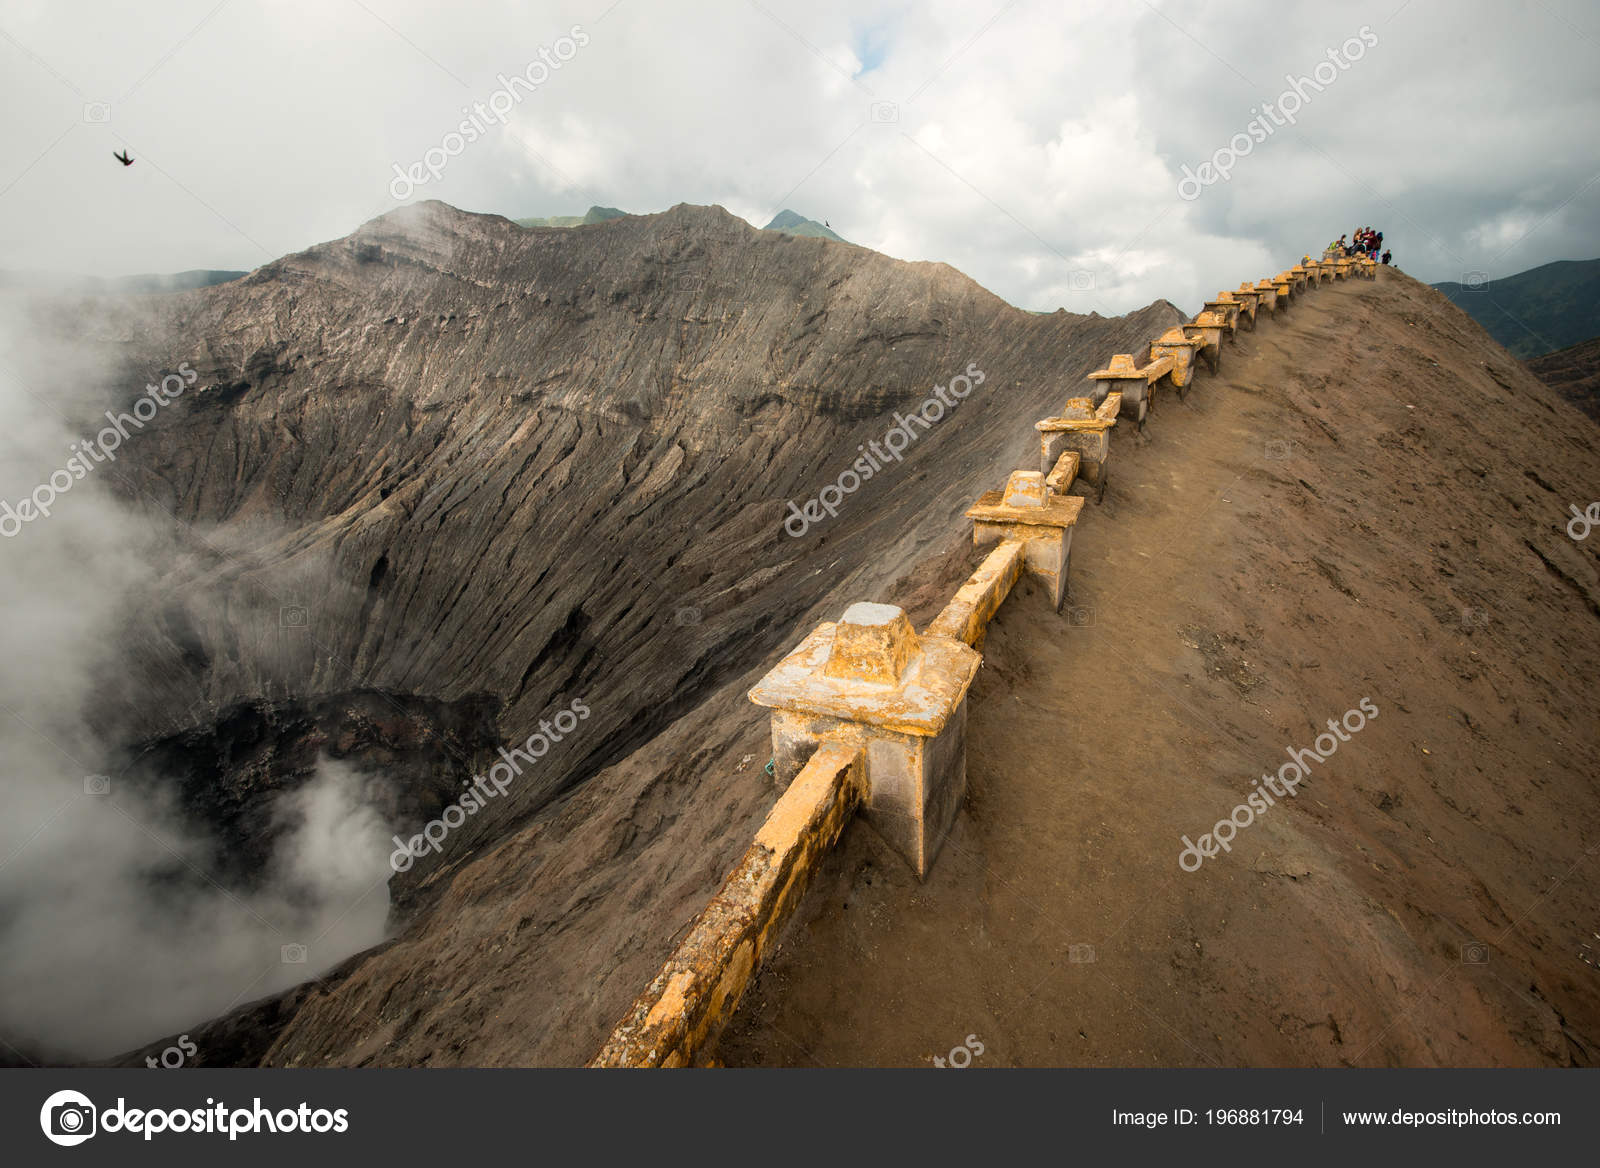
{"x":123,"y":158}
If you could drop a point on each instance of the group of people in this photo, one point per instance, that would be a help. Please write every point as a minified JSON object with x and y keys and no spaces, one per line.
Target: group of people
{"x":1367,"y":242}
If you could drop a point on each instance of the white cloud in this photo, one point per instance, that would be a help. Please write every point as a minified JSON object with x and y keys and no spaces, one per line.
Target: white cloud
{"x":1032,"y":141}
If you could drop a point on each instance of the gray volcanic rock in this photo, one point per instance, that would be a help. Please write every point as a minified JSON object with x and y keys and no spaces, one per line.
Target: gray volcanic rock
{"x":458,"y":462}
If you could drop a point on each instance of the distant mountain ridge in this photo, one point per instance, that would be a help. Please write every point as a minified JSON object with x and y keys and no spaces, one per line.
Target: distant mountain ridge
{"x":1551,"y":307}
{"x":794,"y":223}
{"x":1574,"y":373}
{"x":595,"y":214}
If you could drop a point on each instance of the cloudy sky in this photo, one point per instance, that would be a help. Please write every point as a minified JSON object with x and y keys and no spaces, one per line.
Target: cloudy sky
{"x":1037,"y":145}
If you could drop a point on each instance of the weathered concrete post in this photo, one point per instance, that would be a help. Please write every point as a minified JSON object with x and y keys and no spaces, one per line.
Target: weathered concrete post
{"x":1029,"y":511}
{"x":1268,"y":293}
{"x":1227,"y":308}
{"x":1249,"y":303}
{"x":1175,"y":343}
{"x":1134,"y":384}
{"x":1087,"y":431}
{"x":1208,"y":328}
{"x":869,"y":680}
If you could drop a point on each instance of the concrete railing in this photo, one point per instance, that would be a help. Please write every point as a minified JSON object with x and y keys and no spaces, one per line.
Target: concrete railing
{"x":696,"y":992}
{"x":869,"y":715}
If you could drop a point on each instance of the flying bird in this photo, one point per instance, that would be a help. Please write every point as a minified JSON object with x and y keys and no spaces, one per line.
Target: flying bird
{"x":123,"y":158}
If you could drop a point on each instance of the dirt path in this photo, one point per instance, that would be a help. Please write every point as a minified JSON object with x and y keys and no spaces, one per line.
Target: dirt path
{"x":1367,"y":503}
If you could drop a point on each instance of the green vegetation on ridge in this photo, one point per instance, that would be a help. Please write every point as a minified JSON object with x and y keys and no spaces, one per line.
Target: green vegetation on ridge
{"x":793,"y":223}
{"x":1550,"y":307}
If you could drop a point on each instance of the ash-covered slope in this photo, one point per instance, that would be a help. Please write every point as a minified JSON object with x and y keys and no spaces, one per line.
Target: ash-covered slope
{"x":457,"y":466}
{"x":1371,"y":504}
{"x":545,"y":464}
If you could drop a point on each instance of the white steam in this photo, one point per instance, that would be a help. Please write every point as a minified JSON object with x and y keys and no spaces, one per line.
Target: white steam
{"x":96,"y":957}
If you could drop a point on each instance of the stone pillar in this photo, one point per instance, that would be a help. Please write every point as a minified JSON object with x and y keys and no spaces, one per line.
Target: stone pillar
{"x":1181,"y":348}
{"x":1208,"y":328}
{"x":1249,"y":299}
{"x":1028,"y":511}
{"x":869,"y":680}
{"x":1227,"y":308}
{"x":1122,"y":376}
{"x":1085,"y":430}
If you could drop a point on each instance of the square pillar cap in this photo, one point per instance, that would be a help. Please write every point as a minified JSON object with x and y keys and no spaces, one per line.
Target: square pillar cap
{"x":871,"y":642}
{"x":1025,"y":488}
{"x":1174,"y":336}
{"x":1119,"y":368}
{"x":1074,"y":425}
{"x":1057,"y":511}
{"x":930,"y":687}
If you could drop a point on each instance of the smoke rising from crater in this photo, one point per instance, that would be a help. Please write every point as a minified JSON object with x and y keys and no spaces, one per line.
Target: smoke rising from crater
{"x":112,"y":931}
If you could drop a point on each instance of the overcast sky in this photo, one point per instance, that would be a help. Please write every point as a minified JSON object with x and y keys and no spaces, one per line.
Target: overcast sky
{"x":1036,"y":145}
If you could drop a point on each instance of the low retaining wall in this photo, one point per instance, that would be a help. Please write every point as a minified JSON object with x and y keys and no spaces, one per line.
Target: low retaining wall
{"x":696,"y":992}
{"x":867,"y":714}
{"x":967,"y":615}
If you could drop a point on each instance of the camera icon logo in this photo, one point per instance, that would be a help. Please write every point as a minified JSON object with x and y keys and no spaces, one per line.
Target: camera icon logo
{"x":1079,"y":617}
{"x":68,"y":1118}
{"x":96,"y":112}
{"x":293,"y":616}
{"x":883,"y":113}
{"x":1474,"y":618}
{"x":1475,"y":953}
{"x":293,"y":954}
{"x":1279,"y":450}
{"x":1080,"y":954}
{"x":686,"y":616}
{"x":1475,"y":281}
{"x":690,"y":283}
{"x":97,"y":784}
{"x":1081,"y":280}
